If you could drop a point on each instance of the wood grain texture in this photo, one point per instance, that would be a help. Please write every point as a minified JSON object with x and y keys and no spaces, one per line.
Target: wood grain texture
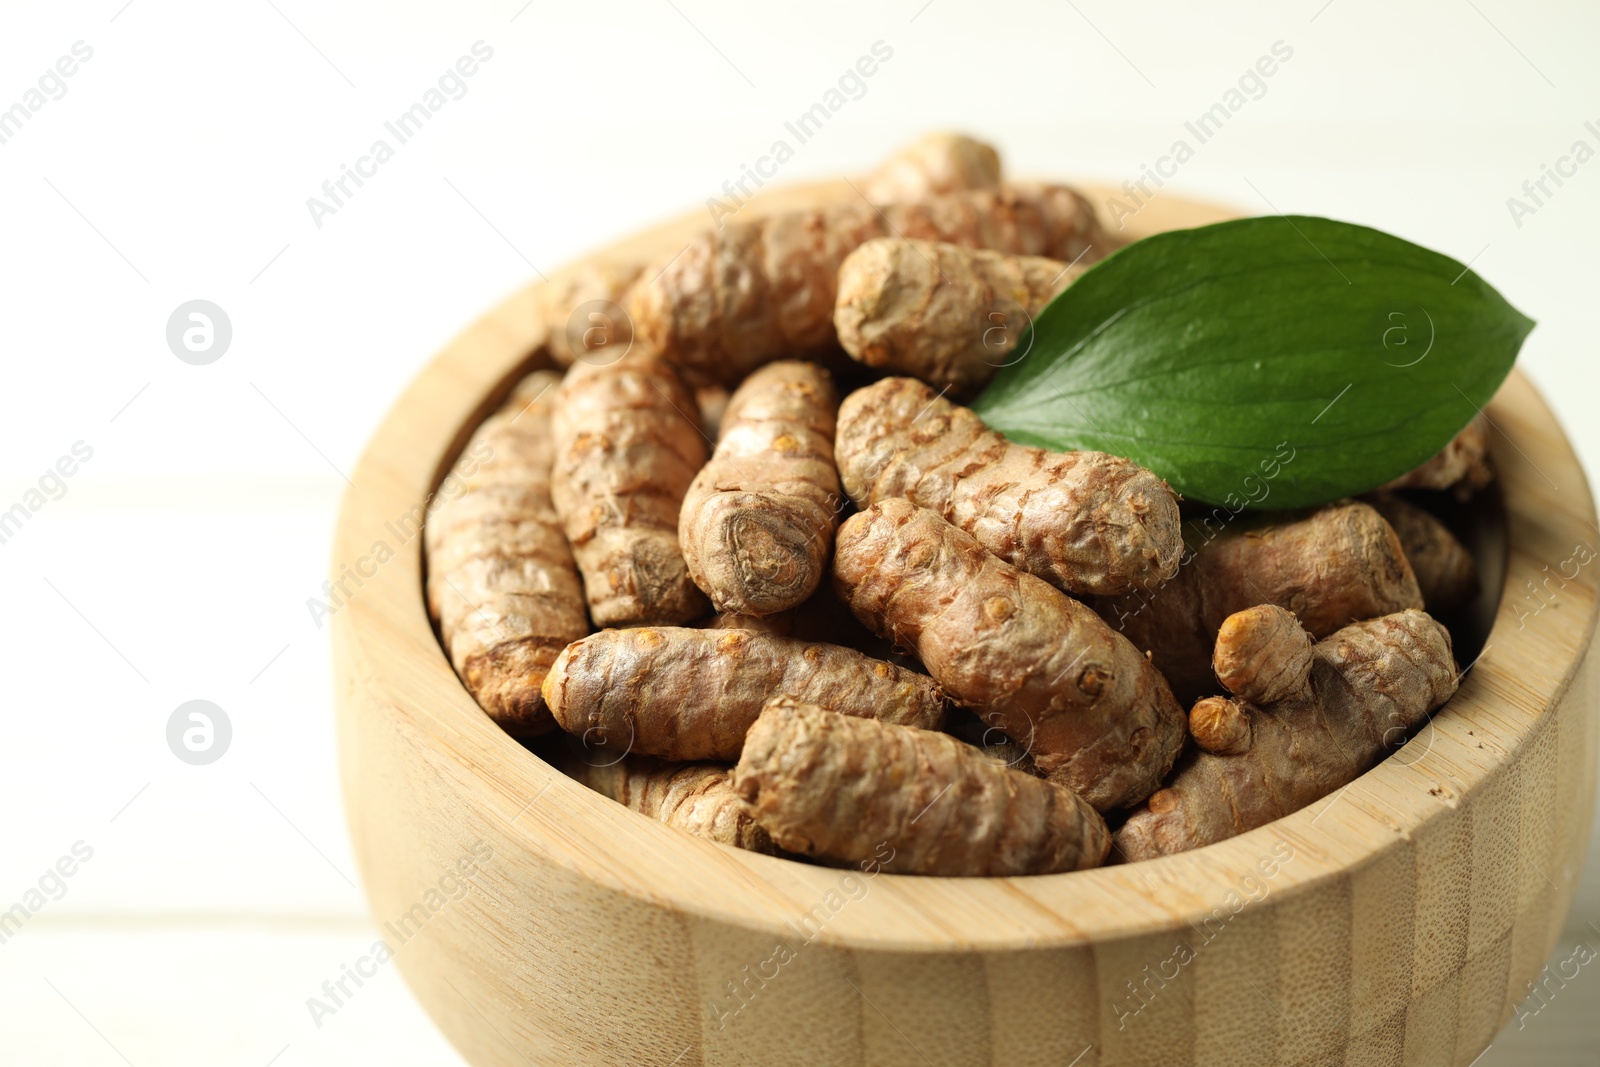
{"x":1418,"y":904}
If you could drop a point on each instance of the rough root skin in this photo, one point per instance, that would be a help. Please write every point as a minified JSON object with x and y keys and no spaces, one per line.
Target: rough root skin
{"x":757,"y":523}
{"x":697,"y":798}
{"x":502,"y":584}
{"x":854,"y":791}
{"x":1446,"y":573}
{"x":1333,"y":567}
{"x":947,"y":315}
{"x":934,"y":165}
{"x":626,"y":449}
{"x":1087,"y":522}
{"x":686,"y":694}
{"x":1371,"y":685}
{"x":1094,"y":713}
{"x":751,"y":292}
{"x":559,"y":298}
{"x":1263,"y":654}
{"x":1462,"y":465}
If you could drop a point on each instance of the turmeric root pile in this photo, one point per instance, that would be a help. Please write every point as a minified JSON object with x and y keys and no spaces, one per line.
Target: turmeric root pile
{"x":1361,"y":692}
{"x":1331,"y":567}
{"x":761,"y":577}
{"x":1027,"y":657}
{"x":753,"y":292}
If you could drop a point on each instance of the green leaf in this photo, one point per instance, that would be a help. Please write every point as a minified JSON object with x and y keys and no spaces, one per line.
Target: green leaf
{"x":1208,"y":355}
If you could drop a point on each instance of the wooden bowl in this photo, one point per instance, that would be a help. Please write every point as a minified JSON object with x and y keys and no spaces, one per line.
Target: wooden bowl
{"x":1399,"y":921}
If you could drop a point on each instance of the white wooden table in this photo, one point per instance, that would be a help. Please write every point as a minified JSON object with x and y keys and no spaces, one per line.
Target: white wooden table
{"x":175,"y":164}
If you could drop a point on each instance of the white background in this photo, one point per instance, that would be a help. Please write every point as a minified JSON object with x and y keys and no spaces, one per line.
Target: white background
{"x":177,"y":565}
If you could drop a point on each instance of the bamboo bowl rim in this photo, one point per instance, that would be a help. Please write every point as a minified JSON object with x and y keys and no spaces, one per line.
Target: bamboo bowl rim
{"x":1526,"y":666}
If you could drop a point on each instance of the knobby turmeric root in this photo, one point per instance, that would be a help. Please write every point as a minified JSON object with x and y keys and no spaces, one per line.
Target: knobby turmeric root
{"x":1096,"y":716}
{"x":1340,"y":564}
{"x":947,"y":315}
{"x":571,"y":320}
{"x":1446,"y":573}
{"x":933,"y":165}
{"x":502,"y":585}
{"x":1263,"y":654}
{"x":697,"y":798}
{"x":757,"y":523}
{"x":849,"y":790}
{"x":688,"y":694}
{"x":1461,"y":466}
{"x":751,"y":292}
{"x":1220,"y":726}
{"x":1371,"y":684}
{"x":626,"y":448}
{"x":1086,"y":522}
